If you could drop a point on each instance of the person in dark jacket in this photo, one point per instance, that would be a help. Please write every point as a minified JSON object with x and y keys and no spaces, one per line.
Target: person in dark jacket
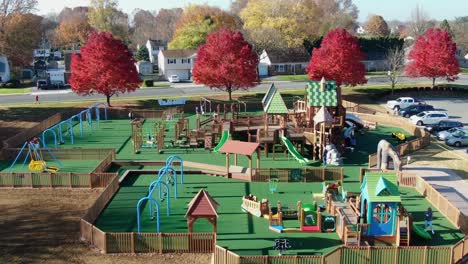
{"x":428,"y":220}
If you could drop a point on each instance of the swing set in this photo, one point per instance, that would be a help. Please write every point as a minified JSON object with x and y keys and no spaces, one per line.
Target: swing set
{"x":37,"y":163}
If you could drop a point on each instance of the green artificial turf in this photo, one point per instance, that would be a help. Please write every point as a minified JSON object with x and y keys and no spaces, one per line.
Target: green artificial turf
{"x":445,"y":233}
{"x":239,"y":231}
{"x":84,"y":166}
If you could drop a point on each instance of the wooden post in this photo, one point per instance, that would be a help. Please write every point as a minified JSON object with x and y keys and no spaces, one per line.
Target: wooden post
{"x":50,"y":180}
{"x":235,"y":159}
{"x":31,"y":179}
{"x":250,"y":165}
{"x":160,"y":243}
{"x":258,"y":158}
{"x":105,"y":244}
{"x":132,"y":243}
{"x":227,"y":164}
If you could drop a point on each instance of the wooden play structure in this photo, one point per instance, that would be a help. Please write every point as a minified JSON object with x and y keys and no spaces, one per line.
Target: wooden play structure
{"x":324,"y":116}
{"x":240,"y":148}
{"x":202,"y":206}
{"x":154,"y":140}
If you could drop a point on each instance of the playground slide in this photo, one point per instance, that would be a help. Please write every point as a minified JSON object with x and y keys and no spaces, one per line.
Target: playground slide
{"x":294,"y":152}
{"x":421,"y":232}
{"x":224,"y":138}
{"x":355,"y":120}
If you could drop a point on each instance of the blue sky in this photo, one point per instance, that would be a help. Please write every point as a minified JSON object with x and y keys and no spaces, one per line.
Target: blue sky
{"x":389,"y":9}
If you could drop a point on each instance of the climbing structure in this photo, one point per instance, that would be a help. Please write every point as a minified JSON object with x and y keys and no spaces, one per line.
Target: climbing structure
{"x":385,"y":150}
{"x":325,"y":116}
{"x":137,"y":135}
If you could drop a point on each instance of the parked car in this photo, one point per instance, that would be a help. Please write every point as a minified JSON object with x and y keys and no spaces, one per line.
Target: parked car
{"x":457,"y":139}
{"x":173,"y":78}
{"x":428,"y":118}
{"x":442,"y":135}
{"x":443,"y":125}
{"x":42,"y":85}
{"x":402,"y":102}
{"x":415,"y":109}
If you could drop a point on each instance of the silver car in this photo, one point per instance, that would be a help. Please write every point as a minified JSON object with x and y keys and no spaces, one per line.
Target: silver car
{"x":457,"y":139}
{"x":442,"y":135}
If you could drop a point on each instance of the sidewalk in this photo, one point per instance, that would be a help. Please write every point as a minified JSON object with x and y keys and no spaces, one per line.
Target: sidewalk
{"x":447,"y":183}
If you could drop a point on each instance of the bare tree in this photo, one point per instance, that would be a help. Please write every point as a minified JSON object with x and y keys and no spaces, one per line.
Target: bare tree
{"x":396,"y":62}
{"x":419,"y":21}
{"x":8,"y":7}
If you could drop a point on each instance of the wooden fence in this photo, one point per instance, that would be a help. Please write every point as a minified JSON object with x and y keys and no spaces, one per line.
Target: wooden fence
{"x":298,"y":174}
{"x":355,"y":255}
{"x":55,"y":180}
{"x":98,"y":178}
{"x":26,"y":134}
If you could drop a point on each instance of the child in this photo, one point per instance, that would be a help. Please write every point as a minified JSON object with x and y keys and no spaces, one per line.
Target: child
{"x":428,"y":219}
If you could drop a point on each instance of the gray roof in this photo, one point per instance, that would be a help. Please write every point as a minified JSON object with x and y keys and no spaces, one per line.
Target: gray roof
{"x":158,"y":43}
{"x":185,"y":53}
{"x":288,"y":55}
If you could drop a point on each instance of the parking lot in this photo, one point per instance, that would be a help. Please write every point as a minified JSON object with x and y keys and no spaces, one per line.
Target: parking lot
{"x":456,"y":108}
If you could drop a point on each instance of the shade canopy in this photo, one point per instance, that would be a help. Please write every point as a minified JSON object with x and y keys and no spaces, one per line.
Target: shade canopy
{"x":239,"y":147}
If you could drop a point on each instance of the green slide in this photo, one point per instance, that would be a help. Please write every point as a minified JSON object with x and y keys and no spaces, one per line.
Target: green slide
{"x":224,"y":138}
{"x":421,"y":232}
{"x":294,"y":151}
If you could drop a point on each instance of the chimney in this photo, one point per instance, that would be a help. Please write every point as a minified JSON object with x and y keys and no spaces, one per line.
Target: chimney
{"x":322,"y":84}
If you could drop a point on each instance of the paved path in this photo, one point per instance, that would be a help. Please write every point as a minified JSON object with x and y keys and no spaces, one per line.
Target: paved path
{"x":447,"y":183}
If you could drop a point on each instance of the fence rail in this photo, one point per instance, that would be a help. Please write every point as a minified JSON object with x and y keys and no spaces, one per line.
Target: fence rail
{"x":26,"y":134}
{"x":355,"y":255}
{"x":298,"y":175}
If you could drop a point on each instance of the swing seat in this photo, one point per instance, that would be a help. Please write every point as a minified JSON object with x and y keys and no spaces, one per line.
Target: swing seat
{"x":36,"y":166}
{"x":52,"y":169}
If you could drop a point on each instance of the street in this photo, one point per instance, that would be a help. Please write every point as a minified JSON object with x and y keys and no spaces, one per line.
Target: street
{"x":183,"y":89}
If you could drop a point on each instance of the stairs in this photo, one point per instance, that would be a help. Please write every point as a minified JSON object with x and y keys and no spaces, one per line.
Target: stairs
{"x":404,"y":238}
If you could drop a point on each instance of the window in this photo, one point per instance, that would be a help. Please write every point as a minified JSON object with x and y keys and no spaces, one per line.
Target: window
{"x":171,"y":61}
{"x":186,"y":61}
{"x":382,"y":213}
{"x":279,"y":68}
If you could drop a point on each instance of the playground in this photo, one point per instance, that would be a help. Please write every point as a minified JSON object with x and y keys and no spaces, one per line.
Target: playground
{"x":300,"y":179}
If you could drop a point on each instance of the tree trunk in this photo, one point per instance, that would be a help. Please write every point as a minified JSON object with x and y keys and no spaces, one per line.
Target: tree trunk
{"x":433,"y":82}
{"x":108,"y":100}
{"x":393,"y":86}
{"x":230,"y":94}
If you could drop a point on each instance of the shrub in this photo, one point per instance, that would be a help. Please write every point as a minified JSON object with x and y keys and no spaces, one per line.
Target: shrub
{"x":148,"y":83}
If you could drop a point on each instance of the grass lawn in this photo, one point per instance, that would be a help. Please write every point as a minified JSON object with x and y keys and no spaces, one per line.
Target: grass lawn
{"x":464,"y":70}
{"x":299,"y":77}
{"x":15,"y":90}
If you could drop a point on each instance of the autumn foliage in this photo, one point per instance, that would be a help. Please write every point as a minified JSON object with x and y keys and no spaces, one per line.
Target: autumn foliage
{"x":338,"y":58}
{"x":105,"y":66}
{"x":226,"y":62}
{"x":433,"y":56}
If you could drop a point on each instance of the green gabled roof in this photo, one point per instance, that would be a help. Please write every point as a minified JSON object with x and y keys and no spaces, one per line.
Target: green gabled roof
{"x":273,"y":102}
{"x":269,"y":94}
{"x":382,"y":187}
{"x":317,"y":97}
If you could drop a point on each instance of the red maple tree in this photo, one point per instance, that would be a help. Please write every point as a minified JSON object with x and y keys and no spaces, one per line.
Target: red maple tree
{"x":433,"y":56}
{"x":226,"y":62}
{"x":338,"y":58}
{"x":104,"y":66}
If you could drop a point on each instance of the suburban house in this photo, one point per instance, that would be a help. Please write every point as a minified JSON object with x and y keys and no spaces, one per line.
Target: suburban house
{"x":375,"y":61}
{"x":4,"y":69}
{"x":144,"y":67}
{"x":176,"y":62}
{"x":283,"y":61}
{"x":154,"y":46}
